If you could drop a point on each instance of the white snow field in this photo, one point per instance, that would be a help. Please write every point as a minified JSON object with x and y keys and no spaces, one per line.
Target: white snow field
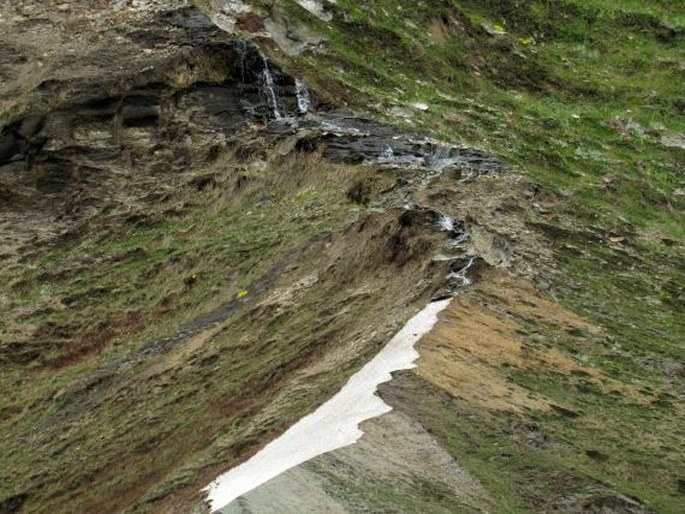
{"x":335,"y":423}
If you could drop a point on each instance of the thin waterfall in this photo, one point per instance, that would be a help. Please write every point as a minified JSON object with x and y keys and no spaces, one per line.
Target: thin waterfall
{"x":387,"y":153}
{"x":460,"y":275}
{"x":270,"y":89}
{"x":303,"y":99}
{"x":241,"y":47}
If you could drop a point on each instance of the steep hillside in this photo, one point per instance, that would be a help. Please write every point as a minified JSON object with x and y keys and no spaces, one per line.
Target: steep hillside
{"x":214,"y":214}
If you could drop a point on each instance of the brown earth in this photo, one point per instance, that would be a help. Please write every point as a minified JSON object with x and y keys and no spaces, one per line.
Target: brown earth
{"x":483,"y":336}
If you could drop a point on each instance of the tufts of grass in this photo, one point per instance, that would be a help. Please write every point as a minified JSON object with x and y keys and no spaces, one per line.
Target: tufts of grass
{"x":578,"y":96}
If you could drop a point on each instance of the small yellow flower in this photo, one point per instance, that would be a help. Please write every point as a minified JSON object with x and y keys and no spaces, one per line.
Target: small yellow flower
{"x":241,"y":293}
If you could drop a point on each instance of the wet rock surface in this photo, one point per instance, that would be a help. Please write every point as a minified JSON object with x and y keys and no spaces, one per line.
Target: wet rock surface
{"x":205,"y":96}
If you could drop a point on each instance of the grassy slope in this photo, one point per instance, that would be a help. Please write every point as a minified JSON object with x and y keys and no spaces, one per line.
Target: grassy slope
{"x":577,"y":95}
{"x":143,"y":279}
{"x":190,"y":252}
{"x":551,"y":111}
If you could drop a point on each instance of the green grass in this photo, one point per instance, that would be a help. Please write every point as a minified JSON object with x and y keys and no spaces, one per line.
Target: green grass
{"x":166,"y":272}
{"x":174,"y":267}
{"x":551,"y":107}
{"x":577,"y":96}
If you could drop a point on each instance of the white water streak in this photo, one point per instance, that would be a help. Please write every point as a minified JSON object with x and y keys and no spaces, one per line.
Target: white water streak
{"x":461,"y":274}
{"x":446,"y":223}
{"x":333,"y":425}
{"x":303,"y":99}
{"x":387,"y":153}
{"x":270,"y":88}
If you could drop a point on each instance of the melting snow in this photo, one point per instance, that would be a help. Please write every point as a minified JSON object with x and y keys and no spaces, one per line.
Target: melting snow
{"x":333,"y":425}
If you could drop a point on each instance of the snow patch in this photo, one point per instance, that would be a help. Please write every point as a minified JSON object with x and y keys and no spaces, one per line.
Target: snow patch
{"x":333,"y":425}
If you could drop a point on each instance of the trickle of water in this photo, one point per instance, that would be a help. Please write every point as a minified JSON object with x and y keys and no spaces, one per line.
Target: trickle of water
{"x":303,"y":99}
{"x":461,"y":274}
{"x":437,"y":159}
{"x":446,"y":223}
{"x":270,"y":89}
{"x":387,"y":153}
{"x":462,"y":238}
{"x":241,"y":46}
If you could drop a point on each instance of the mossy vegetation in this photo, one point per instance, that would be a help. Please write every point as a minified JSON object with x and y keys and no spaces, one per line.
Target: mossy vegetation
{"x":585,"y":98}
{"x":226,"y":225}
{"x":569,"y":93}
{"x":124,"y":283}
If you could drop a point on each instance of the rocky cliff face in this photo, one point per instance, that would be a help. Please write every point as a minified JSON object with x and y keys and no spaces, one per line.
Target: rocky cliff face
{"x":111,"y":114}
{"x":204,"y":235}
